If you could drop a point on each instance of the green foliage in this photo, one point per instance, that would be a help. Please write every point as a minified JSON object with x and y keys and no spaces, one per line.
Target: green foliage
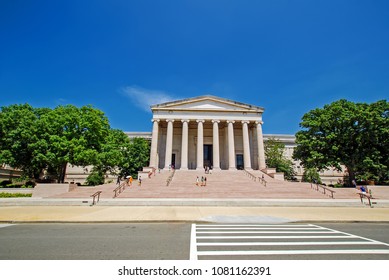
{"x":35,"y":139}
{"x":136,"y":157}
{"x":20,"y":139}
{"x":95,"y":178}
{"x":73,"y":135}
{"x":274,"y":151}
{"x":311,"y":175}
{"x":355,"y":135}
{"x":9,"y":195}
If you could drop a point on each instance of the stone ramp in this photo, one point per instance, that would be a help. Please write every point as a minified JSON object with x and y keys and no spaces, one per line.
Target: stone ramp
{"x":49,"y":190}
{"x":86,"y":192}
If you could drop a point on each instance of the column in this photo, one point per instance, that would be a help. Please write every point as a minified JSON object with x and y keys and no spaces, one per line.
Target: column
{"x":200,"y":145}
{"x":261,"y":148}
{"x":246,"y":145}
{"x":184,"y":145}
{"x":231,"y":145}
{"x":154,"y":144}
{"x":216,"y":146}
{"x":169,"y":143}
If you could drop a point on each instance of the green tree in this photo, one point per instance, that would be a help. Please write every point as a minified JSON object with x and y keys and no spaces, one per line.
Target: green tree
{"x":114,"y":152}
{"x":136,"y":157}
{"x":274,"y":152}
{"x":21,"y":143}
{"x":345,"y":133}
{"x":74,"y":135}
{"x":36,"y":139}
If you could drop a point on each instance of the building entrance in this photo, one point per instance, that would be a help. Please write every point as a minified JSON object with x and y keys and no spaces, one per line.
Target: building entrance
{"x":208,"y":155}
{"x":239,"y":162}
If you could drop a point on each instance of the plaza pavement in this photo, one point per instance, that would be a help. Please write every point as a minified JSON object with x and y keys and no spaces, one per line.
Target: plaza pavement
{"x":227,"y":198}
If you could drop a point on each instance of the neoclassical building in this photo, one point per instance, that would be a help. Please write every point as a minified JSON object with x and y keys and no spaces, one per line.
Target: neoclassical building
{"x":207,"y":131}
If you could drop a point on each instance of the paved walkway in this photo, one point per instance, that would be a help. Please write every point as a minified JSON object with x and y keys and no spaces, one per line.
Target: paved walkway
{"x":18,"y":214}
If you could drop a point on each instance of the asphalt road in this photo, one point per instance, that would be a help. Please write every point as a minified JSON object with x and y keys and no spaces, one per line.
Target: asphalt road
{"x":172,"y":241}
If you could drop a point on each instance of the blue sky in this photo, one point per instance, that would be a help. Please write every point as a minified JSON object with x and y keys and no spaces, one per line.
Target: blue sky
{"x":121,"y":56}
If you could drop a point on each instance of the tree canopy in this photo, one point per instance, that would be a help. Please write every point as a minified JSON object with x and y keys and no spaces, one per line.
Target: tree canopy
{"x":355,"y":135}
{"x":33,"y":139}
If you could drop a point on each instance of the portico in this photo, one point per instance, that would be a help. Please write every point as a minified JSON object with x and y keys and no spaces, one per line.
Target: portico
{"x":207,"y":131}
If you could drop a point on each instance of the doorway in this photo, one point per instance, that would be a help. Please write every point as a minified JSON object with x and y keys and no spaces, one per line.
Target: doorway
{"x":208,"y":155}
{"x":239,"y":162}
{"x":173,"y":164}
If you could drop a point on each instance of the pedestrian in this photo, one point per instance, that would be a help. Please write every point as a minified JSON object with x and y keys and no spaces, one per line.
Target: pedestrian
{"x":197,"y":180}
{"x":140,"y":181}
{"x":118,"y":181}
{"x":205,"y":181}
{"x":130,"y":181}
{"x":202,"y":181}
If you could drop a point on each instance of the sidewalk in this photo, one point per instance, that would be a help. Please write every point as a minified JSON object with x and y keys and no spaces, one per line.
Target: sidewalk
{"x":224,"y":214}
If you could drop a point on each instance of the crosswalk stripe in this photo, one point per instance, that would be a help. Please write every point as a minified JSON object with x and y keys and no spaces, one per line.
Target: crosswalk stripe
{"x":193,"y":245}
{"x":301,"y":236}
{"x":259,"y":228}
{"x":203,"y":244}
{"x":291,"y":252}
{"x":251,"y":225}
{"x":272,"y":237}
{"x":259,"y":231}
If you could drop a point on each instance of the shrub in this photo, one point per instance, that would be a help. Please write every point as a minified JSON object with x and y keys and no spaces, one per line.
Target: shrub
{"x":8,"y":195}
{"x":95,"y":178}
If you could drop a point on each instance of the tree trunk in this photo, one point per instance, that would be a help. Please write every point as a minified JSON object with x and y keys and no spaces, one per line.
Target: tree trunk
{"x":62,"y":173}
{"x":351,"y":175}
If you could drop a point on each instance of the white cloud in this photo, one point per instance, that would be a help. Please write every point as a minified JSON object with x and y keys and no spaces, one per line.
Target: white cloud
{"x":144,"y":98}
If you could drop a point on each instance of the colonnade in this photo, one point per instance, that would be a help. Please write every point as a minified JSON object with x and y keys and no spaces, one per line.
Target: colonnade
{"x":200,"y":144}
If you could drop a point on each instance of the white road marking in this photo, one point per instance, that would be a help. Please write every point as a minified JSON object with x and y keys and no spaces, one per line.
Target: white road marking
{"x":242,"y":232}
{"x":286,"y":243}
{"x":6,"y":225}
{"x":193,"y":245}
{"x":259,"y":231}
{"x":291,"y":252}
{"x":272,"y":237}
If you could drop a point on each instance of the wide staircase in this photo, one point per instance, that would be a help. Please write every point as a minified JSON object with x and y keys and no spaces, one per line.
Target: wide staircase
{"x":224,"y":184}
{"x":219,"y":184}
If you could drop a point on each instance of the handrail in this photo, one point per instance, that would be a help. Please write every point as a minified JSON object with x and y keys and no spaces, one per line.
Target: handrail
{"x":170,"y":178}
{"x":324,"y":189}
{"x":119,"y":189}
{"x":94,"y":197}
{"x":254,"y":178}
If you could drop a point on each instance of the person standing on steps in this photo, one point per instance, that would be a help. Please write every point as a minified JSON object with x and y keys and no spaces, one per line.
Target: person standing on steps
{"x":140,"y":181}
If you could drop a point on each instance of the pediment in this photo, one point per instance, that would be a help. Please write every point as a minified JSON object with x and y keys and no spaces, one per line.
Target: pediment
{"x":206,"y":103}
